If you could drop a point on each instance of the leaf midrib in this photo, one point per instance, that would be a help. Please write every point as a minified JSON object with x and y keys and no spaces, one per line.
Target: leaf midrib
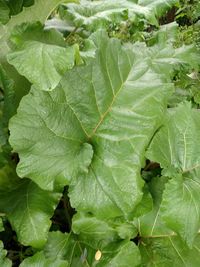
{"x":112,"y":102}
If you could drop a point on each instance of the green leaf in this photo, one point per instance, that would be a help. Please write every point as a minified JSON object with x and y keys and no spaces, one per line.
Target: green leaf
{"x":159,"y":246}
{"x":59,"y":25}
{"x":61,"y":150}
{"x":101,"y":232}
{"x":40,"y":11}
{"x":185,"y":201}
{"x":39,"y":260}
{"x":104,"y":111}
{"x":71,"y":248}
{"x":166,"y":59}
{"x":6,"y":84}
{"x":159,"y":7}
{"x":78,"y":253}
{"x":16,"y":6}
{"x":179,"y":138}
{"x":124,"y":255}
{"x":58,"y":246}
{"x":4,"y":12}
{"x":4,"y":262}
{"x":34,"y":32}
{"x":40,"y":55}
{"x":93,"y":15}
{"x":50,"y":63}
{"x":27,"y":207}
{"x":151,"y":223}
{"x":90,"y":228}
{"x":1,"y":225}
{"x":165,"y":251}
{"x":176,"y":148}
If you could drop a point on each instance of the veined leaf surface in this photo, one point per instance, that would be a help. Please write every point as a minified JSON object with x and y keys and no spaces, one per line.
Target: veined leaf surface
{"x":179,"y":157}
{"x":164,"y":251}
{"x":99,"y":14}
{"x":84,"y":254}
{"x":28,"y":207}
{"x":99,"y":121}
{"x":50,"y":63}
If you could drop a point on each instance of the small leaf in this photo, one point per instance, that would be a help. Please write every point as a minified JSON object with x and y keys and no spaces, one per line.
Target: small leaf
{"x":4,"y":262}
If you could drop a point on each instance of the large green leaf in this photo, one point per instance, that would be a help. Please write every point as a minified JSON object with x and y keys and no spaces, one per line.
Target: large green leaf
{"x":93,"y":131}
{"x":99,"y":14}
{"x":78,"y":253}
{"x":40,"y":11}
{"x":176,"y":148}
{"x":42,"y":64}
{"x":4,"y":262}
{"x":27,"y":207}
{"x":40,"y":55}
{"x":39,"y":260}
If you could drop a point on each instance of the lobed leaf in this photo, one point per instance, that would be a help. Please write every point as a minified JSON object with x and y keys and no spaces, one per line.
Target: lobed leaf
{"x":48,"y":63}
{"x":98,"y":129}
{"x":27,"y":207}
{"x":175,"y":147}
{"x":4,"y":262}
{"x":40,"y":11}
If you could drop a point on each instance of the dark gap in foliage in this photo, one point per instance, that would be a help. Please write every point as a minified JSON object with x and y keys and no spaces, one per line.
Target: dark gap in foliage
{"x":16,"y":252}
{"x":187,"y":16}
{"x":15,"y":158}
{"x":151,"y":169}
{"x":1,"y":95}
{"x":168,"y":17}
{"x":136,"y":240}
{"x":62,"y":218}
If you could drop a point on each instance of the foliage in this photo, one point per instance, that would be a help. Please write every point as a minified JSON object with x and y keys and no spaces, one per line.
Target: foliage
{"x":99,"y":133}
